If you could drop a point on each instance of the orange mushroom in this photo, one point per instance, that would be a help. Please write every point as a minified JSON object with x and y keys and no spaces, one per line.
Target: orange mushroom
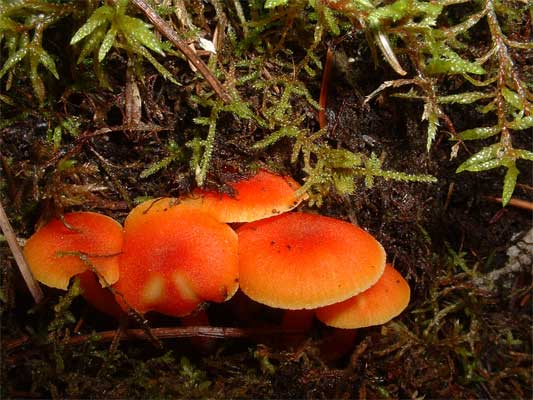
{"x":174,"y":258}
{"x":260,"y":196}
{"x":64,"y":248}
{"x":303,"y":261}
{"x":375,"y":306}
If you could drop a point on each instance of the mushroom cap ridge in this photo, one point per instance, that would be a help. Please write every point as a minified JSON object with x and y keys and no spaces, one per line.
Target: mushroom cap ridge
{"x":302,"y":261}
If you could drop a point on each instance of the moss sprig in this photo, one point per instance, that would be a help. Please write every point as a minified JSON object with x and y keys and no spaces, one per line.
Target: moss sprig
{"x":110,"y":26}
{"x":22,"y":27}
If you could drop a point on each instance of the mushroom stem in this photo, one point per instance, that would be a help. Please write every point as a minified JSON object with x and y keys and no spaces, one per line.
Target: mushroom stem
{"x":301,"y":320}
{"x":23,"y":267}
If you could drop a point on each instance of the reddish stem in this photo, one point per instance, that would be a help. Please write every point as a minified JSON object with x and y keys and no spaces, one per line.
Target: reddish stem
{"x":322,"y":121}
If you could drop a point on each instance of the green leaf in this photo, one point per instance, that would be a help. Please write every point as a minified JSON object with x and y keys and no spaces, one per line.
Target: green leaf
{"x":343,"y":182}
{"x":140,"y":49}
{"x":202,"y":121}
{"x":393,"y":12}
{"x":479,"y":133}
{"x":509,"y":183}
{"x":72,"y":126}
{"x":48,"y":62}
{"x":424,"y":13}
{"x":36,"y":81}
{"x":55,"y":136}
{"x":430,"y":114}
{"x":275,"y":3}
{"x":7,"y":24}
{"x":331,"y":21}
{"x":483,"y":166}
{"x":160,"y":68}
{"x":92,"y":43}
{"x":341,"y":158}
{"x":240,"y":109}
{"x":107,"y":43}
{"x":121,"y":6}
{"x":464,"y":98}
{"x":134,"y":27}
{"x":158,"y":165}
{"x":524,"y":154}
{"x":13,"y":60}
{"x":363,"y":4}
{"x":285,"y":131}
{"x":521,"y":123}
{"x":446,"y":61}
{"x":478,"y":162}
{"x":451,"y":63}
{"x":512,"y":98}
{"x":99,"y":16}
{"x":478,"y":83}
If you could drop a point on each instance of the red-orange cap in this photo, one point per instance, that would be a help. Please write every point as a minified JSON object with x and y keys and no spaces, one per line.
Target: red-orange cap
{"x":260,"y":196}
{"x":299,"y":260}
{"x":55,"y":252}
{"x":175,"y":258}
{"x":375,"y":306}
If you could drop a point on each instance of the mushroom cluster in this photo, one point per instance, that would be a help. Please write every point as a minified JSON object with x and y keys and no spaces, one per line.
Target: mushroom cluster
{"x":174,"y":254}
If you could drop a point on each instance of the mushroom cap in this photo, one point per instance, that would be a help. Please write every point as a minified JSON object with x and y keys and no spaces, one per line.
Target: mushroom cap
{"x":175,"y":258}
{"x":375,"y":306}
{"x":260,"y":196}
{"x":302,"y":261}
{"x":153,"y":206}
{"x":89,"y":234}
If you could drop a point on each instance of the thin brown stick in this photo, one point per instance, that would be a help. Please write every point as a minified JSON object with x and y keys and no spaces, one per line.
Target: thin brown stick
{"x":451,"y":188}
{"x":323,"y":100}
{"x":524,"y":204}
{"x":24,"y":269}
{"x":171,"y":35}
{"x":163,"y":333}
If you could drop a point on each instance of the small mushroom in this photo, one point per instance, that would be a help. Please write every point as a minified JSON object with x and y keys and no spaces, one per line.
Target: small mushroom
{"x":304,"y":261}
{"x":174,"y":258}
{"x":260,"y":196}
{"x":69,"y":246}
{"x":375,"y":306}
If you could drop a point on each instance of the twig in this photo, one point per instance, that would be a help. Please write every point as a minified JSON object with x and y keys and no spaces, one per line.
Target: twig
{"x":24,"y":269}
{"x":449,"y":195}
{"x":171,"y":35}
{"x":524,"y":204}
{"x":323,"y":100}
{"x":163,"y":333}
